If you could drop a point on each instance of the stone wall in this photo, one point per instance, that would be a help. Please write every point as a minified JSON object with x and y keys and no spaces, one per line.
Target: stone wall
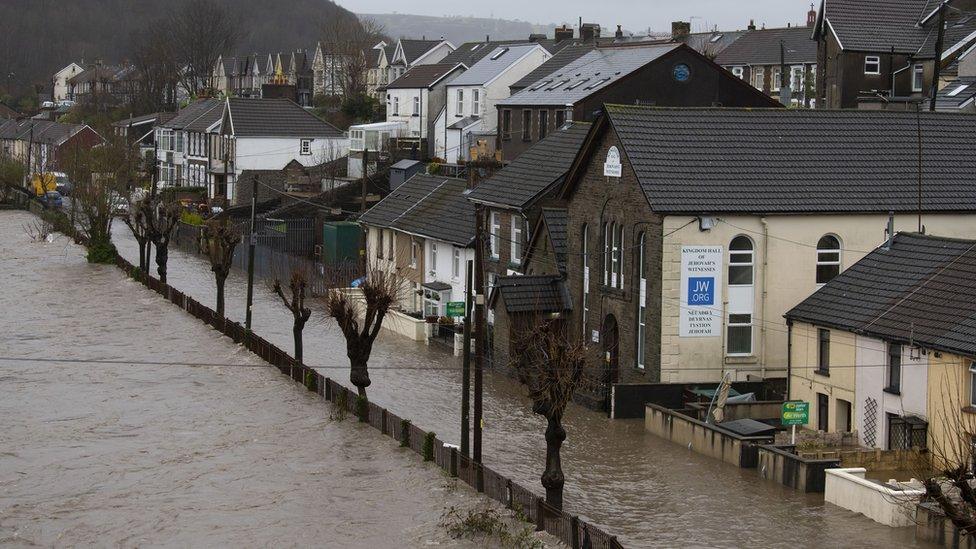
{"x":706,"y":439}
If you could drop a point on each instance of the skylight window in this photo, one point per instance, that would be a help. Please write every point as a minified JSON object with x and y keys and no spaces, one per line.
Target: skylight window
{"x":540,"y":85}
{"x":499,"y":53}
{"x":598,"y":83}
{"x":958,"y":90}
{"x":577,"y":84}
{"x":557,"y":84}
{"x":716,"y":38}
{"x":476,"y":46}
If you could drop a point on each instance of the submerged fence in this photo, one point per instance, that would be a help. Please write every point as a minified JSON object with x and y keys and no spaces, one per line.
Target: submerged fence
{"x":570,"y":529}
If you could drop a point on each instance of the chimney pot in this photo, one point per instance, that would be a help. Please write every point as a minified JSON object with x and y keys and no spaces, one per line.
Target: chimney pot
{"x":680,"y":30}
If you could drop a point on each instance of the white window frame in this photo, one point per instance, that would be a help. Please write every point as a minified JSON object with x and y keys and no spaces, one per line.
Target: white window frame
{"x":918,"y":77}
{"x":396,"y":106}
{"x":380,"y":243}
{"x":738,"y":72}
{"x":731,"y":325}
{"x":516,"y":244}
{"x":822,"y":259}
{"x":641,"y":302}
{"x":476,"y":102}
{"x":872,"y":60}
{"x":459,"y":105}
{"x":797,"y":77}
{"x":759,"y":77}
{"x":305,"y":147}
{"x":414,"y":248}
{"x":416,"y":106}
{"x":433,"y":258}
{"x":456,"y":265}
{"x":751,"y":263}
{"x":776,"y":80}
{"x":494,"y":230}
{"x":585,"y":246}
{"x":357,"y":140}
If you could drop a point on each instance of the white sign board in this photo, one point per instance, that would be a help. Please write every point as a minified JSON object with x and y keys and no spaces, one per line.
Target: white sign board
{"x":701,"y":291}
{"x":612,"y":167}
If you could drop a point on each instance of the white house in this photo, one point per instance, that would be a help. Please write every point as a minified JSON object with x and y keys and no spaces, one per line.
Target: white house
{"x":60,"y":81}
{"x":471,"y":97}
{"x":182,"y":144}
{"x":416,"y":98}
{"x":267,"y":134}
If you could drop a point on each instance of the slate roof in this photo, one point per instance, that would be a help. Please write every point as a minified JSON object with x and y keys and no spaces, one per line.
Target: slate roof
{"x":276,"y":118}
{"x":538,"y":169}
{"x":201,"y":108}
{"x":711,"y":160}
{"x":465,"y":122}
{"x":155,"y":118}
{"x":413,"y":49}
{"x":556,"y":220}
{"x":430,"y":206}
{"x":957,"y":94}
{"x":560,"y":59}
{"x":470,"y":53}
{"x":489,"y":67}
{"x":44,"y":131}
{"x":423,"y":76}
{"x":715,"y":42}
{"x":762,"y":47}
{"x":532,"y":294}
{"x":922,"y":290}
{"x":7,"y":112}
{"x":598,"y":69}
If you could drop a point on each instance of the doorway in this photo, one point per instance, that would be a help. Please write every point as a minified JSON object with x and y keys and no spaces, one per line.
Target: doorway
{"x":610,"y":337}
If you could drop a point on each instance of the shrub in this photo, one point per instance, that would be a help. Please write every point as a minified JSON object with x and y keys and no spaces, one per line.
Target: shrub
{"x":191,"y":218}
{"x":102,"y":251}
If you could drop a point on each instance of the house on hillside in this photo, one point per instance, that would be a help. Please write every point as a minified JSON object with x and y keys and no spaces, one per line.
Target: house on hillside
{"x":104,"y":83}
{"x":44,"y":146}
{"x":761,"y":56}
{"x":59,"y":89}
{"x":656,"y":74}
{"x":690,"y":232}
{"x":469,"y":116}
{"x":183,"y":145}
{"x":414,"y":100}
{"x":881,"y":55}
{"x":894,"y":362}
{"x":140,"y":131}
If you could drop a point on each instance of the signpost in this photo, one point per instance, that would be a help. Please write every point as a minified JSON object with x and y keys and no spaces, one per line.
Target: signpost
{"x":455,"y":308}
{"x":795,"y":412}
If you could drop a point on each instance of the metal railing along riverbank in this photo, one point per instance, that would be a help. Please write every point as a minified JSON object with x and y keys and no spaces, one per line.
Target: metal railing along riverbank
{"x":570,"y":529}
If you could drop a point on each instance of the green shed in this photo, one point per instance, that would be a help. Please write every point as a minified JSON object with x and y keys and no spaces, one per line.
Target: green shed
{"x":341,"y":242}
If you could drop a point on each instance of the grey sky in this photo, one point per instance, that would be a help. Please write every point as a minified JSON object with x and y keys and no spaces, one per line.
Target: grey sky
{"x":634,"y":15}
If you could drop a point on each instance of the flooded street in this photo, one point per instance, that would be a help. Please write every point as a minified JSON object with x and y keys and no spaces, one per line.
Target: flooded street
{"x":118,"y":453}
{"x":646,"y":491}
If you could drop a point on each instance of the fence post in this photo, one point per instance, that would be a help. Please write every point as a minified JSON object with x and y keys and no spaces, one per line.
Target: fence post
{"x":454,"y":463}
{"x":540,"y":515}
{"x":383,"y":424}
{"x":480,"y":479}
{"x":574,"y":540}
{"x":508,"y":486}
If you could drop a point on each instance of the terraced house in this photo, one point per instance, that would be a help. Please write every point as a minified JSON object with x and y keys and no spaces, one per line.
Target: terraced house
{"x":688,"y":233}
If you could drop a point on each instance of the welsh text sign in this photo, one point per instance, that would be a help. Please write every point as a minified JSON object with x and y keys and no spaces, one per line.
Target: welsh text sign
{"x":701,"y":291}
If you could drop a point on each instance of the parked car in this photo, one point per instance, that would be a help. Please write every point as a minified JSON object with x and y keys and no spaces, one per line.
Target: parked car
{"x":47,"y":105}
{"x":63,"y":185}
{"x":52,"y":199}
{"x":120,"y":206}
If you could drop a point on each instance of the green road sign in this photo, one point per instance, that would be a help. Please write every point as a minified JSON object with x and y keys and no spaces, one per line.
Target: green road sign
{"x":455,"y":308}
{"x":795,"y":413}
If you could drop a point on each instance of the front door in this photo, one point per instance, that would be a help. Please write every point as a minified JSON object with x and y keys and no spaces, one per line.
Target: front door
{"x":611,"y":353}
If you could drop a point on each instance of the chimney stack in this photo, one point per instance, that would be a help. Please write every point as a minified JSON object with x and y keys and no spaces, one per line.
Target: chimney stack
{"x":811,"y":16}
{"x":564,"y":33}
{"x":589,"y":31}
{"x":680,"y":30}
{"x":752,"y":25}
{"x":619,"y":34}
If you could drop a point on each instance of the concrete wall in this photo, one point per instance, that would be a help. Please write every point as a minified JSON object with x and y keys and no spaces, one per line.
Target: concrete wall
{"x":848,"y":488}
{"x":704,"y":439}
{"x":406,"y":326}
{"x":783,"y":466}
{"x":932,"y":526}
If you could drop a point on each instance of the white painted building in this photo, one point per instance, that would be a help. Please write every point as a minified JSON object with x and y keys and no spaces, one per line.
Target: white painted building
{"x":60,"y":81}
{"x":472,"y":96}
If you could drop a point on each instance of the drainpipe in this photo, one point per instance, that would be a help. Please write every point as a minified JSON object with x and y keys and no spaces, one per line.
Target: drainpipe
{"x":762,"y":307}
{"x":789,"y":356}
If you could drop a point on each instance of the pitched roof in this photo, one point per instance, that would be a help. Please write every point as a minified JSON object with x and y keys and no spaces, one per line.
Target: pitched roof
{"x":797,"y":160}
{"x":430,"y":206}
{"x":532,"y":294}
{"x":588,"y":74}
{"x":492,"y":66}
{"x":413,"y":49}
{"x":7,"y":112}
{"x":153,"y":118}
{"x":275,"y":118}
{"x":762,"y":47}
{"x":210,"y":109}
{"x":714,"y":42}
{"x":556,"y":220}
{"x":39,"y":131}
{"x":957,"y":94}
{"x":423,"y":76}
{"x":560,"y":59}
{"x":470,"y":53}
{"x":535,"y":171}
{"x":921,"y":291}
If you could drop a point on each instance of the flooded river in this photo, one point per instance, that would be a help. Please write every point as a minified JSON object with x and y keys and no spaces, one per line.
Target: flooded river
{"x":648,"y":492}
{"x":122,"y":454}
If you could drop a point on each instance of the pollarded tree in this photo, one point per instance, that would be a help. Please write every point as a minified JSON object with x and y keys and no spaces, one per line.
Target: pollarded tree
{"x":552,"y":368}
{"x":136,"y":220}
{"x":360,"y":319}
{"x":298,"y":288}
{"x":220,"y":240}
{"x":160,"y":220}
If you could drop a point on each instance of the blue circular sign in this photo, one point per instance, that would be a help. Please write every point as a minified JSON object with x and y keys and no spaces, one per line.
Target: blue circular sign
{"x":682,"y":72}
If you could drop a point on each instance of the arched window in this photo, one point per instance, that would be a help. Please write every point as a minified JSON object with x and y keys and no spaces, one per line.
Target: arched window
{"x":584,"y":248}
{"x":641,"y":302}
{"x":606,"y":254}
{"x":828,"y":258}
{"x":617,"y":277}
{"x":741,"y":261}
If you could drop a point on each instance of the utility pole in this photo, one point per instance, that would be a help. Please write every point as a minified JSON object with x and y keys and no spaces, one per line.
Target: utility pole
{"x":466,"y":368}
{"x":940,"y":38}
{"x":785,"y":93}
{"x":479,"y":336}
{"x":252,"y":240}
{"x":30,"y":152}
{"x":365,"y":176}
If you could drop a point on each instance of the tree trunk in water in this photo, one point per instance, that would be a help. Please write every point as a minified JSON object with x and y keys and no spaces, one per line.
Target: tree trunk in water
{"x":359,"y":376}
{"x":162,"y":255}
{"x":553,"y":479}
{"x":220,"y":296}
{"x":297,"y":330}
{"x":142,"y":256}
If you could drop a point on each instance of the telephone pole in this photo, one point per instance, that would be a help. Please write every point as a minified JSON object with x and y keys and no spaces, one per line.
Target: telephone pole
{"x":940,"y":38}
{"x":365,"y":176}
{"x":252,"y":240}
{"x":466,"y":368}
{"x":479,"y":336}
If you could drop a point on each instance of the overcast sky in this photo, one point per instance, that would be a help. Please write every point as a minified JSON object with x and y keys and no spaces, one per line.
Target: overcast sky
{"x":634,"y":15}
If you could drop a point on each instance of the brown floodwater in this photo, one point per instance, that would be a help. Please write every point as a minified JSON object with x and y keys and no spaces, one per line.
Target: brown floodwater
{"x":132,"y":455}
{"x":648,"y":492}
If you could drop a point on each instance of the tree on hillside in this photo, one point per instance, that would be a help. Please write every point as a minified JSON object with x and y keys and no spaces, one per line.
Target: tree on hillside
{"x":551,"y":366}
{"x":220,"y":240}
{"x":349,"y":42}
{"x":199,"y":32}
{"x":157,"y":70}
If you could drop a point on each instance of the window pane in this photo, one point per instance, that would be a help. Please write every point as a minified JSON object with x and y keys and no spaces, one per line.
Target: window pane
{"x":739,"y":275}
{"x":827,"y":257}
{"x":740,"y":258}
{"x":740,"y":339}
{"x":826,"y":273}
{"x":828,"y":242}
{"x":740,"y":243}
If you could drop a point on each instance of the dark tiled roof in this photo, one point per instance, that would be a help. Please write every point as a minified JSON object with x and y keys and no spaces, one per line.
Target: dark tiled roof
{"x":40,"y":131}
{"x":155,"y":118}
{"x":959,"y":28}
{"x":423,"y":76}
{"x":464,"y":122}
{"x":556,"y":220}
{"x":413,"y":49}
{"x":532,"y":294}
{"x":762,"y":47}
{"x":535,"y":171}
{"x":921,"y":290}
{"x":563,"y":57}
{"x":598,"y":69}
{"x":7,"y":112}
{"x":276,"y":118}
{"x":429,"y":206}
{"x":501,"y":59}
{"x":797,"y":160}
{"x":713,"y":43}
{"x":470,"y":53}
{"x":957,"y":94}
{"x":193,"y":112}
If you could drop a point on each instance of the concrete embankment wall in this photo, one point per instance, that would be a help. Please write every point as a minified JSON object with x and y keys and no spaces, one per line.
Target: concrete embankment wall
{"x":849,"y":489}
{"x":703,"y":438}
{"x":779,"y":464}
